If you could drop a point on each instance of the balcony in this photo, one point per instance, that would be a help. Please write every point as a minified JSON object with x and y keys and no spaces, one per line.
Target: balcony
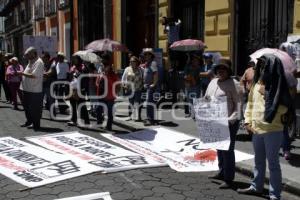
{"x":39,"y":12}
{"x":63,"y":4}
{"x":50,"y":7}
{"x":9,"y":23}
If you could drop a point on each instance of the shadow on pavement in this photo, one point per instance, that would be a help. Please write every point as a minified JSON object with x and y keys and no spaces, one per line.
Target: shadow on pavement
{"x":168,"y":124}
{"x":295,"y":160}
{"x":243,"y":137}
{"x":50,"y":130}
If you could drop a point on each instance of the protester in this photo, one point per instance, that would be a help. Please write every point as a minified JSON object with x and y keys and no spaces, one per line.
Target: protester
{"x":79,"y":85}
{"x":247,"y":79}
{"x":173,"y":82}
{"x":150,"y":84}
{"x":268,"y":100}
{"x":3,"y":77}
{"x":49,"y":78}
{"x":192,"y":82}
{"x":206,"y":73}
{"x":132,"y":81}
{"x":14,"y":80}
{"x":32,"y":87}
{"x":224,"y":85}
{"x":2,"y":72}
{"x":107,"y":89}
{"x":62,"y":70}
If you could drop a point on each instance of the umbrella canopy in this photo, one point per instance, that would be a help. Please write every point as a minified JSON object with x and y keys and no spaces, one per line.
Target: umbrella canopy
{"x":188,"y":45}
{"x":106,"y":45}
{"x":88,"y":56}
{"x":288,"y":63}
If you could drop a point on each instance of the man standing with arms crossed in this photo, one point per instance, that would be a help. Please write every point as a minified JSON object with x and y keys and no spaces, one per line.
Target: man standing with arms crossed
{"x":32,"y":86}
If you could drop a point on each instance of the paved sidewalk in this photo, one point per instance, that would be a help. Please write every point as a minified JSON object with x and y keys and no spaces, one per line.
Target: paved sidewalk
{"x":290,"y":169}
{"x":160,"y":183}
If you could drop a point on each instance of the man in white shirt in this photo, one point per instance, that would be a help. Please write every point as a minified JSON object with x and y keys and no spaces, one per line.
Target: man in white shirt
{"x":32,"y":87}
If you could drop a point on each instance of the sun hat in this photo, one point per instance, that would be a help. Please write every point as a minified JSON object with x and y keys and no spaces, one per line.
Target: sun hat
{"x":207,"y":55}
{"x":224,"y":62}
{"x":148,"y":50}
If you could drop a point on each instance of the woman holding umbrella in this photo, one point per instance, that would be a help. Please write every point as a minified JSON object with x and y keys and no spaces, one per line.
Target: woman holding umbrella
{"x":268,"y":101}
{"x":76,"y":71}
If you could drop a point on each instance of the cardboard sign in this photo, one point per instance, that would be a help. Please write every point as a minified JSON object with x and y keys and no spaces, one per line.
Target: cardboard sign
{"x":212,"y":122}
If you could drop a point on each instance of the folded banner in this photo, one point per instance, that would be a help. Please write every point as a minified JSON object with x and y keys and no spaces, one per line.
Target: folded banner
{"x":180,"y":151}
{"x":100,"y":155}
{"x":34,"y":166}
{"x":212,"y":122}
{"x":96,"y":196}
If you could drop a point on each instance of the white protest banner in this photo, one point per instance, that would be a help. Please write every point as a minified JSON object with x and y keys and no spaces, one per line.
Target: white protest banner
{"x":212,"y":122}
{"x":180,"y":151}
{"x":100,"y":155}
{"x":96,"y":196}
{"x":41,"y":43}
{"x":34,"y":166}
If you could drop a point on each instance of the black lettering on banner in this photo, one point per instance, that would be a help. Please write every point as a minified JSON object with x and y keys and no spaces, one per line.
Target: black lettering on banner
{"x":13,"y":143}
{"x":27,"y":176}
{"x":106,"y":163}
{"x":25,"y":157}
{"x":58,"y":169}
{"x":4,"y":147}
{"x":69,"y":141}
{"x":97,"y":152}
{"x":190,"y":142}
{"x":131,"y":160}
{"x":96,"y":143}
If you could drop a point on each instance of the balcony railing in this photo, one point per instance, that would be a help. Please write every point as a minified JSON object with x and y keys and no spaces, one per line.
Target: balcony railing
{"x":39,"y":12}
{"x":9,"y":23}
{"x":50,"y":7}
{"x":63,"y":4}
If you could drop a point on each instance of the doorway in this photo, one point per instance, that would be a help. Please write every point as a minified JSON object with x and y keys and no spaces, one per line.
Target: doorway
{"x":260,"y":24}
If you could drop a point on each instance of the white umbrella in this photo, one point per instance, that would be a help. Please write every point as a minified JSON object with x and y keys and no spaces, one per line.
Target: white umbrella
{"x":88,"y":56}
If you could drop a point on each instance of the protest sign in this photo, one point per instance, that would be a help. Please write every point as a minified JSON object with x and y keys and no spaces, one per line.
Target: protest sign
{"x":96,"y":196}
{"x":34,"y":166}
{"x":212,"y":122}
{"x":100,"y":155}
{"x":41,"y":43}
{"x":182,"y":152}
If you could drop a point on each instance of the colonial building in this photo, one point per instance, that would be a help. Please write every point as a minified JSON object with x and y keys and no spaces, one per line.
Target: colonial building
{"x":235,"y":28}
{"x":18,"y":22}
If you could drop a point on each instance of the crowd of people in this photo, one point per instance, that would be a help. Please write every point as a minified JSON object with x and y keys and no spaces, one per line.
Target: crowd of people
{"x":51,"y":82}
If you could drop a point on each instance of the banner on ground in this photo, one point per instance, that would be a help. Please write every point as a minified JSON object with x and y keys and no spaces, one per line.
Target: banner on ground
{"x":102,"y":156}
{"x":180,"y":151}
{"x":96,"y":196}
{"x":34,"y":166}
{"x":212,"y":122}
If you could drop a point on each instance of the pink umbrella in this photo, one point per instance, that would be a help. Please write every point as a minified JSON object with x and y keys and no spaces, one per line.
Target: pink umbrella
{"x":106,"y":45}
{"x":188,"y":45}
{"x":288,"y":63}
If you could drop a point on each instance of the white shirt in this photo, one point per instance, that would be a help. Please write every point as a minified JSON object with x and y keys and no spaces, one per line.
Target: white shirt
{"x":62,"y":70}
{"x":34,"y":85}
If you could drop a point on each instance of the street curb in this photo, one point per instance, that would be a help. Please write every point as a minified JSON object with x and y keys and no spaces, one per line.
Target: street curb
{"x":287,"y":185}
{"x":247,"y":170}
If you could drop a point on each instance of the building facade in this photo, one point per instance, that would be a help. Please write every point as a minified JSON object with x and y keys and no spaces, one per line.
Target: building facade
{"x":235,"y":28}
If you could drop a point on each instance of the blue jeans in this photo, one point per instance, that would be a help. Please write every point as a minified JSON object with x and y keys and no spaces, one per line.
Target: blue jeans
{"x":150,"y":106}
{"x":137,"y":97}
{"x":226,"y":159}
{"x":109,"y":106}
{"x":267,"y":146}
{"x":286,"y":142}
